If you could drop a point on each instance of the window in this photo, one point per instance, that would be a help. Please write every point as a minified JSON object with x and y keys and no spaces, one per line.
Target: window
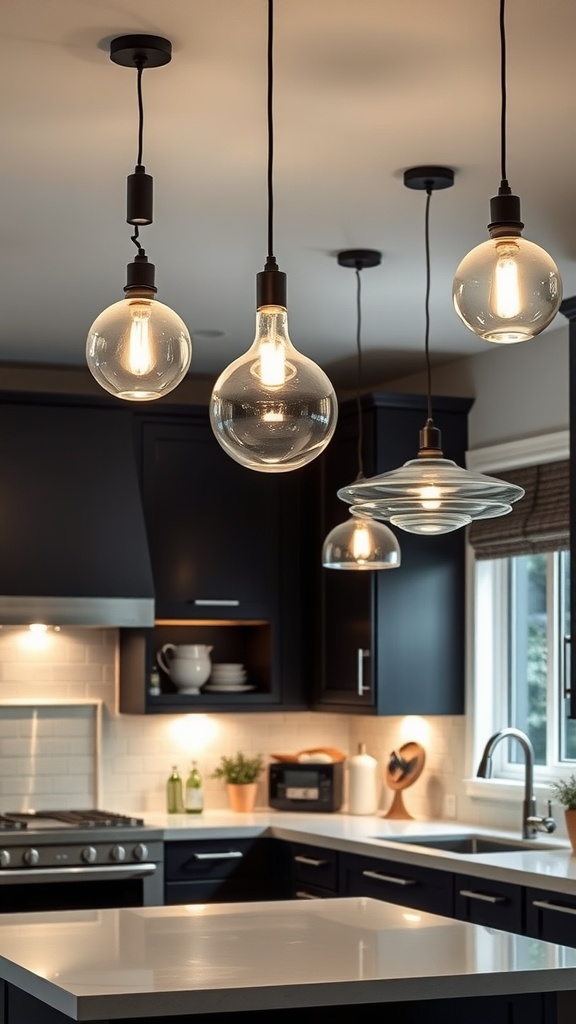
{"x":521,"y":597}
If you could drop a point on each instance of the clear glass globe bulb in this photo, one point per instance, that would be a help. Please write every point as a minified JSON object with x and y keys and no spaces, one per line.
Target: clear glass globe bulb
{"x":507,"y":289}
{"x":361,"y":544}
{"x":273,"y":410}
{"x":138,"y":349}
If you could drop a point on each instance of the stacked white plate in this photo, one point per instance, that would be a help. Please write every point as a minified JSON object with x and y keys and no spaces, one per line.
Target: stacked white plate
{"x":228,"y":677}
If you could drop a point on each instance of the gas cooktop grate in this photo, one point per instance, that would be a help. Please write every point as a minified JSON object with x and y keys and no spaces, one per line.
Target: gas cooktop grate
{"x":14,"y":820}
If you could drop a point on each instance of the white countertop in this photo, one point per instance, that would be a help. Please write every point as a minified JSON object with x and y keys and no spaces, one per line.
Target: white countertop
{"x":535,"y":866}
{"x":94,"y":965}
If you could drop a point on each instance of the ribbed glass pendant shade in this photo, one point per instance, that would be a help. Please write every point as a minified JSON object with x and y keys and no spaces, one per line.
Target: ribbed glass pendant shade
{"x":430,"y":495}
{"x":361,"y":544}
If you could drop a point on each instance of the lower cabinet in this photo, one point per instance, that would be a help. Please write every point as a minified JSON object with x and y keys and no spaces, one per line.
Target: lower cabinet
{"x":394,"y":882}
{"x":313,"y":872}
{"x":488,"y":902}
{"x":225,"y":870}
{"x":551,"y":916}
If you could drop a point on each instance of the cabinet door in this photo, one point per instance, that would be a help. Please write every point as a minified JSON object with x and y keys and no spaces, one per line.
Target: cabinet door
{"x":395,"y":882}
{"x":220,"y":870}
{"x":551,"y":916}
{"x":489,"y":902}
{"x":214,"y":526}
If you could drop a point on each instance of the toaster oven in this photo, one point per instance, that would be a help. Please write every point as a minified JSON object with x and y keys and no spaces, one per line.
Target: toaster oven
{"x":293,"y":786}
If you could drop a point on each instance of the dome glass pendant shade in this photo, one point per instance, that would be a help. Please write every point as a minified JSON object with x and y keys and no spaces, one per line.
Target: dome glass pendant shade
{"x":360,"y":543}
{"x":273,"y":409}
{"x":138,"y":349}
{"x":430,"y":494}
{"x":507,"y":289}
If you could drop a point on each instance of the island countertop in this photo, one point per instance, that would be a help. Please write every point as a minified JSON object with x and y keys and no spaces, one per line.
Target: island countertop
{"x":159,"y":962}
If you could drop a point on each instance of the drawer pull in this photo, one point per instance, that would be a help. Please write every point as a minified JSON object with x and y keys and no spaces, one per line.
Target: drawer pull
{"x":484,"y":896}
{"x":548,"y":905}
{"x":217,"y":603}
{"x":225,"y":855}
{"x":303,"y":895}
{"x":310,"y":861}
{"x":389,"y":878}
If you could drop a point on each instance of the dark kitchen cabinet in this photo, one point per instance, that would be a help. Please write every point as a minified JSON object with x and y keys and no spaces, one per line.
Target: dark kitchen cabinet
{"x":225,"y":870}
{"x":407,"y":884}
{"x":391,"y":641}
{"x":489,"y":902}
{"x":551,"y":916}
{"x":227,"y":564}
{"x":313,"y":871}
{"x":568,"y":308}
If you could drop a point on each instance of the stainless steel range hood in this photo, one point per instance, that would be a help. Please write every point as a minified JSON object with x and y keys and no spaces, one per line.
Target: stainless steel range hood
{"x":73,"y":545}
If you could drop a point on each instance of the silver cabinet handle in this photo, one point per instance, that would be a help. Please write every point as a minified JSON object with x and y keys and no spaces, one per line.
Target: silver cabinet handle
{"x":484,"y":896}
{"x":389,"y":878}
{"x":232,"y":603}
{"x":303,"y":895}
{"x":547,"y":905}
{"x":360,"y":671}
{"x":226,"y":855}
{"x":300,"y":859}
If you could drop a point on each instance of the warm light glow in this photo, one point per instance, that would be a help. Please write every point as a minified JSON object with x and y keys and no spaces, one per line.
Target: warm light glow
{"x":38,"y":627}
{"x":273,"y":415}
{"x":361,"y":543}
{"x":192,"y":734}
{"x":412,"y":918}
{"x":139,"y":357}
{"x":505,"y":300}
{"x":272,"y":369}
{"x":414,"y":729}
{"x":432,"y":496}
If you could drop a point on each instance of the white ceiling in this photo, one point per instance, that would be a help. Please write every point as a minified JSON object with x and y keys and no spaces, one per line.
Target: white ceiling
{"x":363,"y":90}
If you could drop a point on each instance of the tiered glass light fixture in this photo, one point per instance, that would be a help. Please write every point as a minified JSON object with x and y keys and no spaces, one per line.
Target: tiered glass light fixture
{"x":430,"y":494}
{"x":508,"y":289}
{"x":138,"y":349}
{"x":360,"y":543}
{"x":272,"y":410}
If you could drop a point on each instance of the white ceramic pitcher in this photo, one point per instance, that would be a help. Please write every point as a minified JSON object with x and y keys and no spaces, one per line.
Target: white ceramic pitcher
{"x":188,"y":665}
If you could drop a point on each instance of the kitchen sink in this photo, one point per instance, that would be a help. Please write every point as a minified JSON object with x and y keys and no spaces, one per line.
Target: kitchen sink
{"x":471,"y":843}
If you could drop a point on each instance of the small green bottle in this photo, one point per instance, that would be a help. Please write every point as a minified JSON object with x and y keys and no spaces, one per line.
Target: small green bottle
{"x":174,"y":803}
{"x":194,"y":791}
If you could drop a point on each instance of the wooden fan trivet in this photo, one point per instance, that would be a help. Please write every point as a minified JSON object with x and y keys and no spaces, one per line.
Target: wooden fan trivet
{"x":402,"y":770}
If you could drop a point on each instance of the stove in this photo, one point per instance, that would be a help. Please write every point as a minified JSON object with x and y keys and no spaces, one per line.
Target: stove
{"x":65,"y":859}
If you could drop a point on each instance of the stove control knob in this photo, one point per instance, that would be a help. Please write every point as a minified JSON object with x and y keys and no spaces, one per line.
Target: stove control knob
{"x":89,"y":854}
{"x":118,"y":853}
{"x":31,"y":857}
{"x":4,"y":858}
{"x":140,"y":851}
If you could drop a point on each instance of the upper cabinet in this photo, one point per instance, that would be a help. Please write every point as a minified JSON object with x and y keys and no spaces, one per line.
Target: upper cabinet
{"x":226,"y":564}
{"x":391,"y":642}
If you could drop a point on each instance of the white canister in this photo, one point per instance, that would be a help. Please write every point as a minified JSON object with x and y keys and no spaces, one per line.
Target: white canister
{"x":363,"y":788}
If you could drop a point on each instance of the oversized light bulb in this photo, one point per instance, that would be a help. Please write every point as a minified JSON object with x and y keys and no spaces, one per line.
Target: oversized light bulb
{"x":361,"y":544}
{"x":273,"y":410}
{"x":138,"y":349}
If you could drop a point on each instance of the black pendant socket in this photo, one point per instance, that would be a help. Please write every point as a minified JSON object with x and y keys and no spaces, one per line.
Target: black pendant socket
{"x":430,"y":441}
{"x":271,"y":287}
{"x":139,"y":196}
{"x":505,"y":211}
{"x":140,"y":274}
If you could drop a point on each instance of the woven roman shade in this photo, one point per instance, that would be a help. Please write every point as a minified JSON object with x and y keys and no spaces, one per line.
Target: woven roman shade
{"x":540,"y":521}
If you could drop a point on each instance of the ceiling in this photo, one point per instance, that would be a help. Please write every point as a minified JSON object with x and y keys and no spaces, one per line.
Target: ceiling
{"x":363,"y":90}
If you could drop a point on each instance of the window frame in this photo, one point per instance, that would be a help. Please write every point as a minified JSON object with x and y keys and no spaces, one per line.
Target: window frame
{"x":484,"y":714}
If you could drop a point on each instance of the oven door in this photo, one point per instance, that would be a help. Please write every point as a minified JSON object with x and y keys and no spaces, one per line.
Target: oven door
{"x":80,"y":888}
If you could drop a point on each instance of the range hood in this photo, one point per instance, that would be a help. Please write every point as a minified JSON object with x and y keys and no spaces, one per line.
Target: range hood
{"x":73,"y":545}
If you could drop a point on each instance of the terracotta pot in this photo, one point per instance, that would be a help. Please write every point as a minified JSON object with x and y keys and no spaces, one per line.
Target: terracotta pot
{"x":570,"y":816}
{"x":242,"y":796}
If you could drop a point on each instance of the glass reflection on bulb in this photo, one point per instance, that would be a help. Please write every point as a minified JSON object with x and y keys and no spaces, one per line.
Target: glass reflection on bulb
{"x":273,"y":410}
{"x":138,"y":349}
{"x":431,"y":497}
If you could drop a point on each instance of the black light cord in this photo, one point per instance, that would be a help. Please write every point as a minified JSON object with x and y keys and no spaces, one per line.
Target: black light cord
{"x":140,"y":67}
{"x":427,"y":302}
{"x":270,"y":120}
{"x":359,"y":372}
{"x":503,"y":95}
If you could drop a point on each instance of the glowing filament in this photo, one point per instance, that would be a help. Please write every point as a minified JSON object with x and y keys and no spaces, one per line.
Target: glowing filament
{"x":431,"y":497}
{"x":361,"y":544}
{"x":140,"y":356}
{"x":505,"y":298}
{"x":272,"y":364}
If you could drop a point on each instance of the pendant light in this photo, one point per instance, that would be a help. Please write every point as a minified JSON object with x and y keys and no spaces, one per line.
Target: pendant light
{"x":360,"y":543}
{"x":430,"y":494}
{"x":507,"y":289}
{"x":272,"y":410}
{"x":138,"y":349}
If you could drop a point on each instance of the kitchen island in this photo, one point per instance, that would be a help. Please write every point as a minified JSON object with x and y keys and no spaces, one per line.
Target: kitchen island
{"x":267,"y":960}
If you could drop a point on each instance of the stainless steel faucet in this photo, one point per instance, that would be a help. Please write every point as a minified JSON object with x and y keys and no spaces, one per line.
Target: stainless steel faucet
{"x":532,"y":823}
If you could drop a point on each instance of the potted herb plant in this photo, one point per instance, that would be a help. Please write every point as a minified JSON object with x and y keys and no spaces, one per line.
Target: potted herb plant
{"x":564,"y":792}
{"x":241,"y":775}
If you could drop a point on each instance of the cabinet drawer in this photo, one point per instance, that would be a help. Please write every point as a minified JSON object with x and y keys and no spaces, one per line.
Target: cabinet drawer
{"x":202,"y":860}
{"x":551,"y":916}
{"x":487,"y":902}
{"x":216,"y":890}
{"x":395,"y":882}
{"x":314,"y":867}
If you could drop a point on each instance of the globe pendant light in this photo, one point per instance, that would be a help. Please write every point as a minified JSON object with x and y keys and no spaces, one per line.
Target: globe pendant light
{"x":508,"y":289}
{"x":430,"y":494}
{"x":138,"y":349}
{"x":360,"y":543}
{"x":272,"y":410}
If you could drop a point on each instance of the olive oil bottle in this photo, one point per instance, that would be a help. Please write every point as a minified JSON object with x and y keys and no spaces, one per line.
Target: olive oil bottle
{"x":174,"y":801}
{"x":194,"y":802}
